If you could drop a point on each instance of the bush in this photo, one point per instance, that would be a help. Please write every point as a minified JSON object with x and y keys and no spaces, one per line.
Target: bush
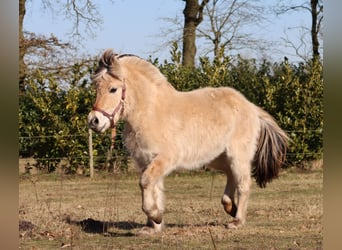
{"x":53,"y":112}
{"x":297,"y":104}
{"x":53,"y":120}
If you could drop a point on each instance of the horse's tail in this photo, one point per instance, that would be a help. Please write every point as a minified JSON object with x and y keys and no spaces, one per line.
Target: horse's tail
{"x":271,"y":150}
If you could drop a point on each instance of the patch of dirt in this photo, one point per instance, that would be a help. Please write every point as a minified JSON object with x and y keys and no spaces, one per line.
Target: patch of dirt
{"x":25,"y":226}
{"x":26,"y":229}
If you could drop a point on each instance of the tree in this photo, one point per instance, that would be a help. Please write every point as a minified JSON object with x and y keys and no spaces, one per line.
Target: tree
{"x":315,"y":8}
{"x":22,"y":65}
{"x":193,"y":16}
{"x":55,"y":93}
{"x":83,"y":14}
{"x":224,"y":24}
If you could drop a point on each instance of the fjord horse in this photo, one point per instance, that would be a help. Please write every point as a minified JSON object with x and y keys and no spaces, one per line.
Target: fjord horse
{"x":166,"y":129}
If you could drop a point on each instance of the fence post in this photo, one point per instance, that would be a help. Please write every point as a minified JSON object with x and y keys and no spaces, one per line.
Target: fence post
{"x":91,"y":158}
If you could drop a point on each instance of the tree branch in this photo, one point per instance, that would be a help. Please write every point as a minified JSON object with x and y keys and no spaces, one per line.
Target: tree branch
{"x":286,"y":9}
{"x":199,"y":18}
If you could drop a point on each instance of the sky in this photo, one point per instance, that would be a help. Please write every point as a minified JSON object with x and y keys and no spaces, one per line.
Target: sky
{"x":135,"y":27}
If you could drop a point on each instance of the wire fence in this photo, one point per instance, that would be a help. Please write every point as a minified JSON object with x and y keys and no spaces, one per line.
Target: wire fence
{"x":86,"y":135}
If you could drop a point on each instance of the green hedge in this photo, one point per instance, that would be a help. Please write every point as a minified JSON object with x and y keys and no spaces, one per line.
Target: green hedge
{"x":52,"y":112}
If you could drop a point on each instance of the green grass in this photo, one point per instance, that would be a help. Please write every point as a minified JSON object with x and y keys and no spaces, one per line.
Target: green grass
{"x":73,"y":212}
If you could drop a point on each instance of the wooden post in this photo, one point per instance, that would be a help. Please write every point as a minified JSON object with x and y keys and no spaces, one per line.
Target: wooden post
{"x":109,"y":159}
{"x":91,"y":157}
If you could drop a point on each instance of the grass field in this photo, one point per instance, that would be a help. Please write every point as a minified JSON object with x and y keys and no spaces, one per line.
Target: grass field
{"x":60,"y":211}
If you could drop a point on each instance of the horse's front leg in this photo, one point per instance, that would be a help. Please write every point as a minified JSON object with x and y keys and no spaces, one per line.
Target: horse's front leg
{"x":151,"y":184}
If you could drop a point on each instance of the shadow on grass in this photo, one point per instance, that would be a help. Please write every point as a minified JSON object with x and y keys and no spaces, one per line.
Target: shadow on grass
{"x":105,"y":227}
{"x":120,"y":228}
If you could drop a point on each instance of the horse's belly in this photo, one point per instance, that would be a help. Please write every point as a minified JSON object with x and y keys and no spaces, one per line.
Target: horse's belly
{"x":189,"y":149}
{"x":195,"y":156}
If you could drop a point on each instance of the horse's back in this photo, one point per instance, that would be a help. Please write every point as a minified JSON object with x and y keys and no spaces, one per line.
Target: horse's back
{"x":215,"y":107}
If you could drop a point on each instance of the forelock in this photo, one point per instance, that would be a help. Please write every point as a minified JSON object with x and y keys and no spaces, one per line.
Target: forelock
{"x":108,"y":63}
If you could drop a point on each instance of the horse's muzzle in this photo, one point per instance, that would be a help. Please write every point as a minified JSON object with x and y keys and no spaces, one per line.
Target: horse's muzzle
{"x":97,"y":122}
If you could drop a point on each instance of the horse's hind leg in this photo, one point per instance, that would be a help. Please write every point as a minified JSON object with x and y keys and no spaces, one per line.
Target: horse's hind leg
{"x":228,"y":198}
{"x":222,"y":162}
{"x":241,"y":181}
{"x":237,"y":170}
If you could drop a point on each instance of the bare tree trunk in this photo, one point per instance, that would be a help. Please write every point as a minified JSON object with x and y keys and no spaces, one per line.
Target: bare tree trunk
{"x":314,"y":29}
{"x":316,"y":10}
{"x":193,"y":16}
{"x":217,"y":42}
{"x":22,"y":50}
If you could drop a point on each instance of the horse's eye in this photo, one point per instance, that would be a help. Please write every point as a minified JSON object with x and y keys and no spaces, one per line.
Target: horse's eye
{"x":112,"y":90}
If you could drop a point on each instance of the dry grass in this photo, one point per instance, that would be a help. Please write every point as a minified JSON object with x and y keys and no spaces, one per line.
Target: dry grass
{"x":105,"y":213}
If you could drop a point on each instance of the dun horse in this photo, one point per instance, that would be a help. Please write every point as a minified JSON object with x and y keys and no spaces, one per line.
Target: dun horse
{"x":166,"y":129}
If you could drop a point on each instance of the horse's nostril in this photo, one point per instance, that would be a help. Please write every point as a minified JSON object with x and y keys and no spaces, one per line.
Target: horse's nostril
{"x":94,"y":121}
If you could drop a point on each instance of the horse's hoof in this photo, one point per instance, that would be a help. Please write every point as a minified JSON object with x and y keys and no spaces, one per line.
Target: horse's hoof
{"x":147,"y":231}
{"x":228,"y":205}
{"x":235,"y":224}
{"x":231,"y":225}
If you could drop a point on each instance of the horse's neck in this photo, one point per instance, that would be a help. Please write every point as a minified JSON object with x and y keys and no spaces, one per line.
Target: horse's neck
{"x":142,"y":99}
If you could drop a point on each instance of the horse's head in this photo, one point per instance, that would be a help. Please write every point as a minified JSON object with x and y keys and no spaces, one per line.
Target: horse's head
{"x":110,"y":93}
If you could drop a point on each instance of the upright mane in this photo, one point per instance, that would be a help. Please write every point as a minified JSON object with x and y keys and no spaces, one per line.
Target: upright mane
{"x":108,"y":63}
{"x":112,"y":63}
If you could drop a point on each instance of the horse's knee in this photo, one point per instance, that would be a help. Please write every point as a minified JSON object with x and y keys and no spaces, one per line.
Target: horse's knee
{"x":154,"y":172}
{"x":229,"y":205}
{"x":145,"y":180}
